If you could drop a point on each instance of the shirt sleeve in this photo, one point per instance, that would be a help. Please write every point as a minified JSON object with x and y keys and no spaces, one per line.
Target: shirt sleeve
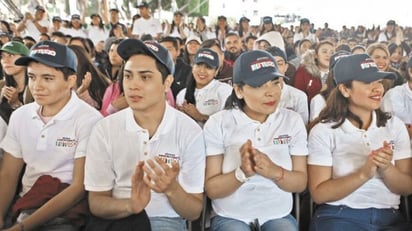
{"x":320,"y":146}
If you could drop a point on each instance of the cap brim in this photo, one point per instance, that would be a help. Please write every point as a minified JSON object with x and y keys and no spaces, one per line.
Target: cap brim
{"x":377,"y":76}
{"x":24,"y":61}
{"x":9,"y":51}
{"x":257,"y":82}
{"x":207,"y":62}
{"x":130,"y":47}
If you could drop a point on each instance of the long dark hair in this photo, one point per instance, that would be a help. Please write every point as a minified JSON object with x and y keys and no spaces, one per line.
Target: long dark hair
{"x":99,"y":81}
{"x":337,"y":111}
{"x":233,"y":101}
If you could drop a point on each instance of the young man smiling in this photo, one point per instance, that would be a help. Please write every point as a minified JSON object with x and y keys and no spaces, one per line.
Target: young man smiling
{"x":49,"y":136}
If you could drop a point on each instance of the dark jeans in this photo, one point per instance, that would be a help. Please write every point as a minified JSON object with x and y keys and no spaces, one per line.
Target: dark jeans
{"x":137,"y":222}
{"x":343,"y":218}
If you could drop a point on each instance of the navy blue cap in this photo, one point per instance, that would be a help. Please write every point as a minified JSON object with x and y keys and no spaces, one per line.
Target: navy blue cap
{"x":276,"y":51}
{"x":267,"y":19}
{"x":75,"y":17}
{"x":360,"y":67}
{"x":51,"y":54}
{"x":244,"y":19}
{"x":255,"y":68}
{"x":207,"y":56}
{"x":129,"y":47}
{"x":56,"y":18}
{"x":304,"y":20}
{"x":336,"y":56}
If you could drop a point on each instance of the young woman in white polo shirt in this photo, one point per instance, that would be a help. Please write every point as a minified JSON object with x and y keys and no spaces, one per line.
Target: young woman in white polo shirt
{"x":256,"y":151}
{"x":204,"y":95}
{"x":359,"y":157}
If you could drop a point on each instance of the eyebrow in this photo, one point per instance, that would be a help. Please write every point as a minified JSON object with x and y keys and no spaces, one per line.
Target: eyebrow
{"x":140,"y":72}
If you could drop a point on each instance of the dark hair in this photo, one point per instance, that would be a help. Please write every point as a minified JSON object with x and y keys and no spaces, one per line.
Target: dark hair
{"x":208,"y":43}
{"x":99,"y":82}
{"x":250,"y":37}
{"x":7,"y":25}
{"x":171,"y":39}
{"x":66,"y":72}
{"x":337,"y":111}
{"x":45,"y":34}
{"x":101,"y":25}
{"x":88,"y":46}
{"x":233,"y":101}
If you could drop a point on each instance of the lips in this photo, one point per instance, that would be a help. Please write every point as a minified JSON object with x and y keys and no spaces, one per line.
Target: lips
{"x":135,"y":98}
{"x":270,"y":103}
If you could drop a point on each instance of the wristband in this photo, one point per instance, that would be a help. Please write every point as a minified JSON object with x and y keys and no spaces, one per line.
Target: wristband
{"x":240,"y":175}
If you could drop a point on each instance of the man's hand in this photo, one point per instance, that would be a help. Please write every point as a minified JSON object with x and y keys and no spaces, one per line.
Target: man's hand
{"x":141,"y":194}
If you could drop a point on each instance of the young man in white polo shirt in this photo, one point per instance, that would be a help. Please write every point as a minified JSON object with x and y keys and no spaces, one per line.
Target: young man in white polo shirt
{"x":148,"y":137}
{"x":49,"y":136}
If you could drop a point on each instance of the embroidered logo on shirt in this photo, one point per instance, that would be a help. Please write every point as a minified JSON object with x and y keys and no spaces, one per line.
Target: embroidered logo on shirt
{"x":282,"y":139}
{"x":169,"y":158}
{"x":210,"y":102}
{"x":66,"y":142}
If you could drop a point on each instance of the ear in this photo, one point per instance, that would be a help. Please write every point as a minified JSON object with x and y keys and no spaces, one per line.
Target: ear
{"x":343,"y":90}
{"x":72,"y":81}
{"x":238,"y":91}
{"x":168,"y":82}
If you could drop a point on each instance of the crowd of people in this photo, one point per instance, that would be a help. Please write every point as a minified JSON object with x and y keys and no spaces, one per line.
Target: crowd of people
{"x":109,"y":127}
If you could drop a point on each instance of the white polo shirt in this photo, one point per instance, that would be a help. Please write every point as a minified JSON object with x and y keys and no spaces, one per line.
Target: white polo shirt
{"x":31,"y":29}
{"x":282,"y":135}
{"x":346,"y":149}
{"x":398,"y":100}
{"x":209,"y":99}
{"x":295,"y":100}
{"x":118,"y":143}
{"x":50,"y":149}
{"x":317,"y":103}
{"x":150,"y":26}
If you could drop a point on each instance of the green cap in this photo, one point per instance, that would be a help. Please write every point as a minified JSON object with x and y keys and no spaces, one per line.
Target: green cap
{"x":15,"y":47}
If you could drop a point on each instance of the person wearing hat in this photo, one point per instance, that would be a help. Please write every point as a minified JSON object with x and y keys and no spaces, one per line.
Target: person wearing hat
{"x":14,"y":89}
{"x":359,"y":156}
{"x":244,"y":28}
{"x":56,"y":24}
{"x":14,"y":86}
{"x":49,"y":138}
{"x":203,"y":95}
{"x":146,"y":24}
{"x":267,"y":25}
{"x":192,"y":45}
{"x":255,"y":158}
{"x":304,"y":32}
{"x":76,"y":27}
{"x":34,"y":25}
{"x":178,"y":27}
{"x":158,"y":165}
{"x":391,"y":33}
{"x":290,"y":98}
{"x":221,"y":29}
